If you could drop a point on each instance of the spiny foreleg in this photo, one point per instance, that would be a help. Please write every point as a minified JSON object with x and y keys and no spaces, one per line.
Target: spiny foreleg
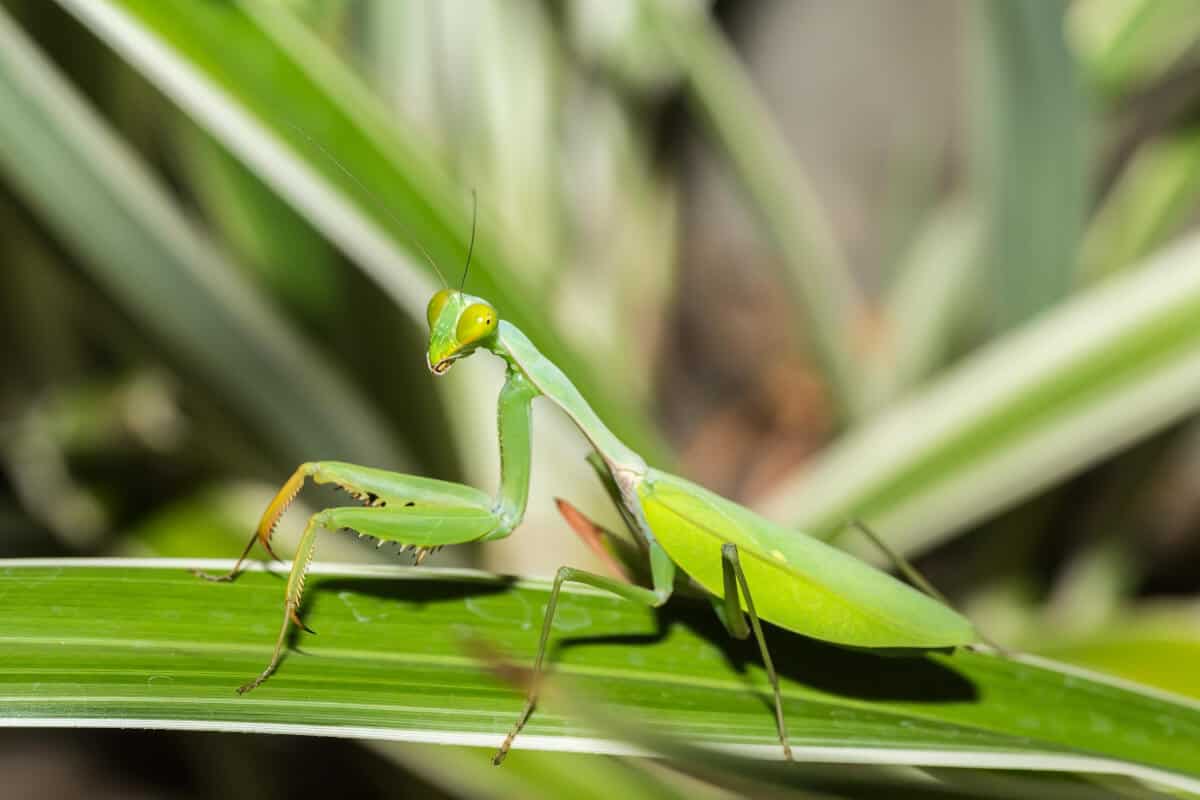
{"x":376,"y":488}
{"x":411,"y":526}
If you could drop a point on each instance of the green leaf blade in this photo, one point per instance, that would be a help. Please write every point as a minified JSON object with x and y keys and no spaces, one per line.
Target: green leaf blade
{"x":146,"y":644}
{"x":1031,"y":120}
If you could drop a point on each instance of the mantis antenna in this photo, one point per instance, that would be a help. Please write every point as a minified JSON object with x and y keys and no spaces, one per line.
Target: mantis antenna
{"x":379,"y":200}
{"x":471,"y":246}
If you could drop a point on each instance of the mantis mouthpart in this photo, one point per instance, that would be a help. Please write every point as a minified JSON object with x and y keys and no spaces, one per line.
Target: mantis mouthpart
{"x":751,"y":568}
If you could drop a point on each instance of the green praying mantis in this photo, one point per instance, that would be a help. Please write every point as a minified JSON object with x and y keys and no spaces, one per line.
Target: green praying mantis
{"x":747,"y":565}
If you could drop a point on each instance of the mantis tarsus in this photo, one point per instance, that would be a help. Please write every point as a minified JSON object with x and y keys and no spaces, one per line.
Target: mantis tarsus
{"x":744,"y":562}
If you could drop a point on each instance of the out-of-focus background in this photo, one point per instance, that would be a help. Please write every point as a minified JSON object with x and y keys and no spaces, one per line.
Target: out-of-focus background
{"x":927,"y":263}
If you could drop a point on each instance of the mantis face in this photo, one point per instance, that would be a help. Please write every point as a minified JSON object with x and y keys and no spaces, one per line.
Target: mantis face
{"x":458,"y":323}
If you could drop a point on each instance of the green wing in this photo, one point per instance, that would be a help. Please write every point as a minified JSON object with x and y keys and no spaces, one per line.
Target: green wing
{"x":798,"y":582}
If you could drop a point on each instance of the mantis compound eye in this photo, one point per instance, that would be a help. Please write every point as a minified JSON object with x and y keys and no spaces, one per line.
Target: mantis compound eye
{"x":476,"y":322}
{"x":436,"y":304}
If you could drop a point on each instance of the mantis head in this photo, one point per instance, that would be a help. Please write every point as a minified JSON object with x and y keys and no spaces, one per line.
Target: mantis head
{"x":458,"y":323}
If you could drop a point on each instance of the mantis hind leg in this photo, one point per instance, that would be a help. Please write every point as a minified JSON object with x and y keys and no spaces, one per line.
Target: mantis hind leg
{"x":901,"y":563}
{"x":915,"y":577}
{"x":731,"y":615}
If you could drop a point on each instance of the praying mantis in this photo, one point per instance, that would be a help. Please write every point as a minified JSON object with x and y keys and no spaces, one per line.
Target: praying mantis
{"x":748,"y":566}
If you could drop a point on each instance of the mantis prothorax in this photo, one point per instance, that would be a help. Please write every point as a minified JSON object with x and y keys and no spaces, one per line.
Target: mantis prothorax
{"x":750,"y":567}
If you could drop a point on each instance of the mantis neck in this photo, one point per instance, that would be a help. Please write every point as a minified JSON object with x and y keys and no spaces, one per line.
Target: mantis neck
{"x":515,"y":348}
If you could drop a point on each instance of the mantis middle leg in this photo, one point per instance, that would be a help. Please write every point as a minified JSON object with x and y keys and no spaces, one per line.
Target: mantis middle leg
{"x":663,"y":572}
